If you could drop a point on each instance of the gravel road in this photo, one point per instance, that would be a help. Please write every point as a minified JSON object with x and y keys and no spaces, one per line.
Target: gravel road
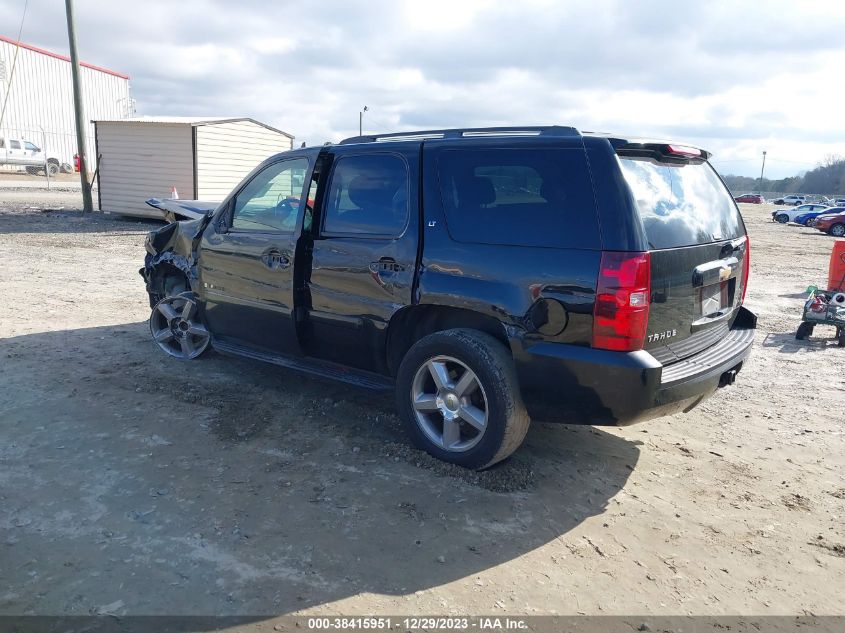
{"x":132,"y":483}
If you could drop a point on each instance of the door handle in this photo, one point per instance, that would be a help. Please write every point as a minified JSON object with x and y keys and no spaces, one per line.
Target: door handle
{"x":385,"y":265}
{"x":275,"y":260}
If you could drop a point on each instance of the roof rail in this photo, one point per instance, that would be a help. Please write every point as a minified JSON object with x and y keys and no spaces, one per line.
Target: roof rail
{"x":421,"y":135}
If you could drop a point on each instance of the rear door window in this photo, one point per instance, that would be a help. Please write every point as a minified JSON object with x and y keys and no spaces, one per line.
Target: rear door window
{"x":520,"y":197}
{"x":368,"y":195}
{"x":681,"y":205}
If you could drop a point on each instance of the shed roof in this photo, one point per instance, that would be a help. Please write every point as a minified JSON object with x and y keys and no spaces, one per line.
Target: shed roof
{"x":192,"y":121}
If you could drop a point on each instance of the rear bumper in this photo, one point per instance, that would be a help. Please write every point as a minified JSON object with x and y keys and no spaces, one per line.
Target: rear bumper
{"x":580,"y":385}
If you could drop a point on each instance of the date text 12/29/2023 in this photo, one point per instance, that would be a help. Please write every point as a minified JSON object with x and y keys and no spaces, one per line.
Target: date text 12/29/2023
{"x":426,"y":623}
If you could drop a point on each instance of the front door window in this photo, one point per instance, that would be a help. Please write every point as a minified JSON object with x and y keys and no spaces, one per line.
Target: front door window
{"x":270,"y":202}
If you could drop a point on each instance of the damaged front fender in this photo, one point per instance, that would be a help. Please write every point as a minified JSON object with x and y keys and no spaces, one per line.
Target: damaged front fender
{"x":171,"y":252}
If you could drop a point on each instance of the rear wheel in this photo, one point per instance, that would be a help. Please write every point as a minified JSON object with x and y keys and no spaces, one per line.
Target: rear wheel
{"x":837,"y":230}
{"x":53,"y":167}
{"x":808,"y":222}
{"x":459,"y":398}
{"x":782,"y":218}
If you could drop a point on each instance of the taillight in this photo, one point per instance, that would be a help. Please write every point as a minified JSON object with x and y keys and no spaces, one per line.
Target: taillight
{"x":746,"y":268}
{"x":620,"y":316}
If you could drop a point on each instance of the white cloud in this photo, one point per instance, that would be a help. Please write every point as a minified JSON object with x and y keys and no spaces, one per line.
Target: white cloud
{"x":733,"y":77}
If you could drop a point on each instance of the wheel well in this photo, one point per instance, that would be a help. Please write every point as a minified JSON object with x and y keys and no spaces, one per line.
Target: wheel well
{"x":166,"y":279}
{"x":55,"y":161}
{"x":413,"y":323}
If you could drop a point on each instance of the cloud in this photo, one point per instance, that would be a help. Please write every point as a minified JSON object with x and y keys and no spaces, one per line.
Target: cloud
{"x":734,"y":77}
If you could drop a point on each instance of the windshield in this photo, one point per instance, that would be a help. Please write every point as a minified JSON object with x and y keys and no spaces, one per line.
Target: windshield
{"x":681,"y":205}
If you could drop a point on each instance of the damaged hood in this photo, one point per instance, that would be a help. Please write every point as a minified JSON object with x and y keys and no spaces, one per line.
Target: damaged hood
{"x":175,"y":209}
{"x":177,"y":237}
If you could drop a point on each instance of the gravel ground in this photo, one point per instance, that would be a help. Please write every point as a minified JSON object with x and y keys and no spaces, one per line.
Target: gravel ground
{"x":132,"y":483}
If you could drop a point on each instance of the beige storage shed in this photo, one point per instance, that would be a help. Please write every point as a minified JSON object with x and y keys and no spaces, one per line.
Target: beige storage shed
{"x":142,"y":158}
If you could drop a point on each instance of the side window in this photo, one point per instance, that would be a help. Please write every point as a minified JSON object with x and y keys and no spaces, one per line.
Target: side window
{"x":368,"y":194}
{"x":31,"y":146}
{"x":519,"y":197}
{"x":270,"y":202}
{"x":14,"y":145}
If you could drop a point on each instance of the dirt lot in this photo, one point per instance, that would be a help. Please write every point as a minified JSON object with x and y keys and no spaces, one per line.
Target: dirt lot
{"x":131,"y":483}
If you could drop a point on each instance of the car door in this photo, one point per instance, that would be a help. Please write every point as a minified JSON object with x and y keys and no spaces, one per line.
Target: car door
{"x":32,"y":153}
{"x":246,"y":259}
{"x":363,"y":256}
{"x":15,"y":152}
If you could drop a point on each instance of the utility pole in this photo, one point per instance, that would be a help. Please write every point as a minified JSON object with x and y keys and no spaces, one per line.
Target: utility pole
{"x":87,"y":202}
{"x":761,"y":171}
{"x":361,"y":121}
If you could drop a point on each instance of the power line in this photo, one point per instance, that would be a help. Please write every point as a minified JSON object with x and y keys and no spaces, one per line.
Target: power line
{"x":14,"y":64}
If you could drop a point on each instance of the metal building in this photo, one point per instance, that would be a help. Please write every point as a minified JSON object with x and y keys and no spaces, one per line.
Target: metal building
{"x":38,"y":94}
{"x":203,"y":158}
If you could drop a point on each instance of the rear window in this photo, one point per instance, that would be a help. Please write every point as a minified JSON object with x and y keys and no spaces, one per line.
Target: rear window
{"x":519,"y":197}
{"x":681,"y":205}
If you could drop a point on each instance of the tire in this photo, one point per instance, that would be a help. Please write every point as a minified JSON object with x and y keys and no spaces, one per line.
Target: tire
{"x":837,"y":230}
{"x":808,"y":222}
{"x":53,"y":168}
{"x":496,"y":394}
{"x":782,"y":218}
{"x":805,"y":330}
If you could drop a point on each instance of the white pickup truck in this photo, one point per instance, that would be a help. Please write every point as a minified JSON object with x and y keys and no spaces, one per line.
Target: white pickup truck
{"x":22,"y":153}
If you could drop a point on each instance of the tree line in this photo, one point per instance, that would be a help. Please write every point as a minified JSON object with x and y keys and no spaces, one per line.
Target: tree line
{"x":828,"y":178}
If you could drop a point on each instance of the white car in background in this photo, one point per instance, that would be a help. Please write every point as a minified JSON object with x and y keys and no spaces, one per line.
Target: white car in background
{"x":792,"y":199}
{"x":19,"y":152}
{"x":788,"y":215}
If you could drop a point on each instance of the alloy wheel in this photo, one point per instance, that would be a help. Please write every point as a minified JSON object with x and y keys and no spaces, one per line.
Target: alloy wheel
{"x":449,"y":402}
{"x":176,"y":327}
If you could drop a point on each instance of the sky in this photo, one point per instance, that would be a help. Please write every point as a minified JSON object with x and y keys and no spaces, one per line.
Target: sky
{"x":735,"y":78}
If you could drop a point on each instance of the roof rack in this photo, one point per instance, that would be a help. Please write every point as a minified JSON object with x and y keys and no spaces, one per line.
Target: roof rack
{"x":421,"y":135}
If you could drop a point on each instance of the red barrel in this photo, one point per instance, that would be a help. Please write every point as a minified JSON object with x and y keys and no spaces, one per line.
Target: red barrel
{"x":836,"y":273}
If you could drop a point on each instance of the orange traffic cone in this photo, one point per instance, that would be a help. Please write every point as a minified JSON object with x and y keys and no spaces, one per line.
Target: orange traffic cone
{"x":173,"y":193}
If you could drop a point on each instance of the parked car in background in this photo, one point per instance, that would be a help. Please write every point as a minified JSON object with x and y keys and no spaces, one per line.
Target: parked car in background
{"x":753,"y":198}
{"x":809,"y":218}
{"x":839,"y":202}
{"x":19,"y":152}
{"x":832,"y":222}
{"x":789,"y":215}
{"x":414,"y":269}
{"x":791,"y":199}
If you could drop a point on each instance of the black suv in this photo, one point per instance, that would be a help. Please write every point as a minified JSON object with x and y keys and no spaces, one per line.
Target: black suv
{"x":489,"y":275}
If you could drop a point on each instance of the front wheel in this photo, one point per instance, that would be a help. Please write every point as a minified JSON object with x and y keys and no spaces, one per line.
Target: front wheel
{"x":837,"y":230}
{"x":458,"y":396}
{"x":176,"y":327}
{"x":805,"y":331}
{"x":782,"y":218}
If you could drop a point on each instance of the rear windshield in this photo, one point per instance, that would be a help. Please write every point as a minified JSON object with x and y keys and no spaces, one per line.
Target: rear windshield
{"x":681,"y":205}
{"x":519,"y":197}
